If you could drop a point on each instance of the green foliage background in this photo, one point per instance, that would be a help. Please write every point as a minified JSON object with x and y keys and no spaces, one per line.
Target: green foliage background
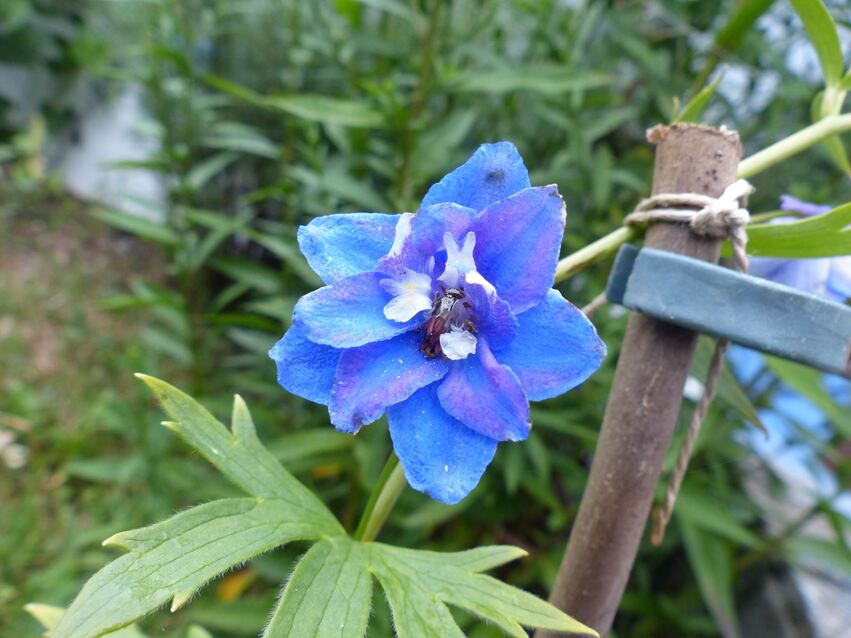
{"x":270,"y":112}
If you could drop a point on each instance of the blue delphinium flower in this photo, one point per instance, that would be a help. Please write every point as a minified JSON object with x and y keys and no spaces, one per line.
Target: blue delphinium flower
{"x":828,"y":276}
{"x":446,"y":319}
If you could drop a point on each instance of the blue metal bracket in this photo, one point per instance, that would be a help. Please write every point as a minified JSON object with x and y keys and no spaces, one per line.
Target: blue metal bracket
{"x":723,"y":303}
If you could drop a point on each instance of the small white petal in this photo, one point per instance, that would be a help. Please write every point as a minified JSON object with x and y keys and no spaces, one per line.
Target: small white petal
{"x":411,"y":295}
{"x":406,"y":306}
{"x":403,"y":231}
{"x":475,"y":277}
{"x":458,"y":344}
{"x":459,"y":259}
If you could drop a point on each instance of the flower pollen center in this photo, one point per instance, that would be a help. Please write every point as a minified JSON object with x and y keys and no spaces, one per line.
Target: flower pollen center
{"x":450,"y":331}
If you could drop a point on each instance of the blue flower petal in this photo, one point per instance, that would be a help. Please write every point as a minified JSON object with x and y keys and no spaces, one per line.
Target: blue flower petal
{"x":305,"y":368}
{"x":810,"y":275}
{"x":430,"y":224}
{"x":440,"y":456}
{"x":493,"y":317}
{"x":338,"y":246}
{"x":486,"y":397}
{"x":348,"y":313}
{"x":517,"y":245}
{"x":556,"y":348}
{"x":839,"y":280}
{"x":375,"y":376}
{"x":494,"y":172}
{"x":787,"y":202}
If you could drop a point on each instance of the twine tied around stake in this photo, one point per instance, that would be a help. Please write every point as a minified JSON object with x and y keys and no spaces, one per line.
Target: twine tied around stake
{"x":722,"y":217}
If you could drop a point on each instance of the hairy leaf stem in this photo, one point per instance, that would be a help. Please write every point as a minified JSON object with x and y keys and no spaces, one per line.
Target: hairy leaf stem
{"x":387,"y":489}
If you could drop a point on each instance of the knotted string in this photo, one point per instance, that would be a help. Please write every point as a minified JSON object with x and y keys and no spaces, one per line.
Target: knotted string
{"x":721,"y":218}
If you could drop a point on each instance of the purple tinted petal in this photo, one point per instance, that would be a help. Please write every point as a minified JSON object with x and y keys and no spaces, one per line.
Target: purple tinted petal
{"x":492,"y":316}
{"x":809,"y":275}
{"x":440,"y":456}
{"x":431,"y":223}
{"x":839,"y":279}
{"x":338,"y":246}
{"x":766,"y":267}
{"x":486,"y":397}
{"x":493,"y":172}
{"x":787,"y":202}
{"x":348,"y":313}
{"x":305,"y":368}
{"x":556,"y":348}
{"x":375,"y":376}
{"x":517,"y":245}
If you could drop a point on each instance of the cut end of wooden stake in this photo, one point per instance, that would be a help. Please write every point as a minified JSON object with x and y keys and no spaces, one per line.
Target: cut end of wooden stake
{"x":658,"y":133}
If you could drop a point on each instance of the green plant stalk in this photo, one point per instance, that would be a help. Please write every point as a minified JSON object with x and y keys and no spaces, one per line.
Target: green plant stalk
{"x":593,"y":252}
{"x":384,"y":495}
{"x":794,"y":144}
{"x":756,"y":163}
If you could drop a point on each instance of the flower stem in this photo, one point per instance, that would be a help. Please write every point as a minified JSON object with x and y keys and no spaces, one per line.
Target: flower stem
{"x":390,"y":484}
{"x":794,"y":144}
{"x":593,"y":252}
{"x":756,"y":163}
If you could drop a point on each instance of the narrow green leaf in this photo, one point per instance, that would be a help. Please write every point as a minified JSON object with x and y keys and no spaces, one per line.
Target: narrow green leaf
{"x":328,"y":110}
{"x":822,"y":32}
{"x":845,"y":82}
{"x":806,"y":550}
{"x":692,"y":111}
{"x":809,"y":383}
{"x":710,"y":559}
{"x":204,"y":171}
{"x":820,"y":236}
{"x":546,"y":79}
{"x":240,"y":456}
{"x":705,"y":511}
{"x":138,"y":226}
{"x":289,"y":253}
{"x":173,"y":559}
{"x":728,"y":389}
{"x":328,"y":594}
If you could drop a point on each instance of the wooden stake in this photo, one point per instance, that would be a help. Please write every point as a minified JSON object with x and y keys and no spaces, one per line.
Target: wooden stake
{"x":646,"y":395}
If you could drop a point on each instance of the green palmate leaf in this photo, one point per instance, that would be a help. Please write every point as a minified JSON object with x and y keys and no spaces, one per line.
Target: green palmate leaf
{"x":420,"y":584}
{"x":239,"y":455}
{"x":173,"y":559}
{"x":820,"y":236}
{"x":692,"y":111}
{"x":330,"y":591}
{"x":49,"y":616}
{"x":546,"y":79}
{"x":328,"y":594}
{"x":822,"y":31}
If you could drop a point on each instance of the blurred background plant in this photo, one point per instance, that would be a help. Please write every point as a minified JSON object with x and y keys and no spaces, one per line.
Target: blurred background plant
{"x":217,"y":127}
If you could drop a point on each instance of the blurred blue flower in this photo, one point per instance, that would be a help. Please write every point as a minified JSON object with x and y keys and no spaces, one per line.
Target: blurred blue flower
{"x":445,"y":319}
{"x":829,"y":276}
